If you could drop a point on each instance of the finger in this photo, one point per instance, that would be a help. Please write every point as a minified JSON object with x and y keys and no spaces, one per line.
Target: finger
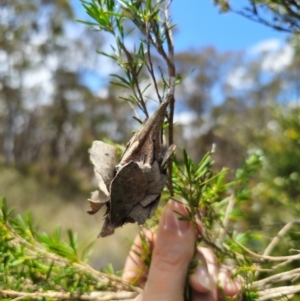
{"x":203,"y":280}
{"x":134,"y":269}
{"x":228,"y":286}
{"x":171,"y":256}
{"x":209,"y":282}
{"x":204,"y":277}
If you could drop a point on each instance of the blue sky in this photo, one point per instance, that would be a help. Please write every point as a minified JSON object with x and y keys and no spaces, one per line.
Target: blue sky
{"x":200,"y":24}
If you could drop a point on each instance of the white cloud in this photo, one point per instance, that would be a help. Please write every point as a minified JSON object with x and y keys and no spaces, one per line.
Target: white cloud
{"x":278,"y":61}
{"x":277,"y":55}
{"x":237,"y":79}
{"x":266,"y":46}
{"x":185,"y":118}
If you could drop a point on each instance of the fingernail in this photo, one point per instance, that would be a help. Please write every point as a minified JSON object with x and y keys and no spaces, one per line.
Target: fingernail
{"x":172,"y":220}
{"x":223,"y":278}
{"x":200,"y":279}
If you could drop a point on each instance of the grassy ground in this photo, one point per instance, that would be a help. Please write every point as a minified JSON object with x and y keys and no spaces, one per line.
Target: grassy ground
{"x":50,"y":210}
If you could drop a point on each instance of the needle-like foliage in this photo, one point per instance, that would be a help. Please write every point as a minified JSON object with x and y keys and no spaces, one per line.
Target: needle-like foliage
{"x":44,"y":267}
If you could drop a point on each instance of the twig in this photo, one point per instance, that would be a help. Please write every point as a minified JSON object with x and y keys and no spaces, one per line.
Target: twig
{"x":134,"y":76}
{"x":281,"y":264}
{"x":263,"y":258}
{"x":99,"y":296}
{"x":277,"y":239}
{"x":280,"y":234}
{"x":278,"y":292}
{"x":150,"y":65}
{"x":112,"y":280}
{"x":290,"y":11}
{"x":276,"y":278}
{"x":172,"y":75}
{"x":258,"y":19}
{"x":170,"y":43}
{"x":229,"y":208}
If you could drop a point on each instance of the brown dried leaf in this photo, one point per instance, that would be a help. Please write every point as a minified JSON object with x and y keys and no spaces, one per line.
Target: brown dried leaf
{"x":148,"y":199}
{"x":158,"y":181}
{"x":128,"y":188}
{"x":104,"y":194}
{"x":168,"y":154}
{"x":107,"y":228}
{"x":95,"y":202}
{"x":104,"y":159}
{"x":145,"y":145}
{"x":135,"y":190}
{"x":140,"y":213}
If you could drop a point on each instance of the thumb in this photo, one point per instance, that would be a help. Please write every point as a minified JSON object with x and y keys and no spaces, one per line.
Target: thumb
{"x":171,"y":255}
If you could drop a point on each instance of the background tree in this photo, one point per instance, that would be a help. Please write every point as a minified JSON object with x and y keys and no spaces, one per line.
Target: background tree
{"x":283,"y":15}
{"x":42,"y":90}
{"x":46,"y":130}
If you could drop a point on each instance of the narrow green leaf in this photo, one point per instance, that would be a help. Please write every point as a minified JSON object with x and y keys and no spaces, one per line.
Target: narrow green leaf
{"x":122,"y":79}
{"x":4,"y":209}
{"x":118,"y":84}
{"x":186,"y":162}
{"x":50,"y":270}
{"x":109,"y":269}
{"x":72,"y":240}
{"x":17,"y":262}
{"x":87,"y":22}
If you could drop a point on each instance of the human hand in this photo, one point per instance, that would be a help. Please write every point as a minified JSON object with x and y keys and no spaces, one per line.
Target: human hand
{"x":173,"y":250}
